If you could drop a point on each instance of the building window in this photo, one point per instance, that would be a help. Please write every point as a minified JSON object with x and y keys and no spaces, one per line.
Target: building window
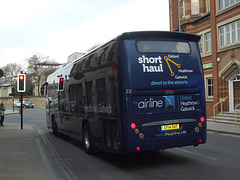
{"x":200,"y":44}
{"x":238,"y":30}
{"x":194,"y":7}
{"x":209,"y":87}
{"x":230,"y":34}
{"x":205,"y":43}
{"x":208,"y":42}
{"x":222,"y":38}
{"x":183,"y":8}
{"x":233,"y":32}
{"x":226,"y":3}
{"x":207,"y":5}
{"x":237,"y":78}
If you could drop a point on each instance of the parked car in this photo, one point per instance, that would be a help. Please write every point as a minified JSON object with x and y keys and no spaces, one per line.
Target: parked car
{"x":17,"y":104}
{"x":28,"y":104}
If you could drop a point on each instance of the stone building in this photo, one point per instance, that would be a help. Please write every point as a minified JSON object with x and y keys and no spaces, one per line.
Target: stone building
{"x":218,"y":24}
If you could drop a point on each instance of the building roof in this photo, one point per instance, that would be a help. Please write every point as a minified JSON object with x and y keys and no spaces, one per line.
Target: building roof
{"x":6,"y":85}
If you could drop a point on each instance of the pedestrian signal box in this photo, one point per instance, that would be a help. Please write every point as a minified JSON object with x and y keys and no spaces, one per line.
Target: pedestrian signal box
{"x":21,"y":83}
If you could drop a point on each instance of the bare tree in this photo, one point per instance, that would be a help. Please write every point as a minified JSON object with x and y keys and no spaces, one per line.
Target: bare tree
{"x":36,"y":69}
{"x":33,"y":62}
{"x":11,"y":70}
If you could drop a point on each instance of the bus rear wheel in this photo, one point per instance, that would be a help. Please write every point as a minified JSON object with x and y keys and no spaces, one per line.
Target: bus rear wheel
{"x":87,"y":139}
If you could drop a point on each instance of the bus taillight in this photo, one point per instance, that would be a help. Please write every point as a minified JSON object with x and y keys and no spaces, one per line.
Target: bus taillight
{"x":202,"y":119}
{"x":138,"y":148}
{"x":133,"y":125}
{"x":169,"y":91}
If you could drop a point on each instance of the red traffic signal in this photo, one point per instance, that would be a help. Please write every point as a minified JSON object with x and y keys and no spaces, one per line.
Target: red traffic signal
{"x":21,"y":83}
{"x":21,"y":77}
{"x":61,"y":85}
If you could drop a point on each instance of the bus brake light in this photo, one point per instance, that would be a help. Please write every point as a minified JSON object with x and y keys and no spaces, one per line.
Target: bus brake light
{"x":133,"y":125}
{"x":169,"y":91}
{"x":202,"y":119}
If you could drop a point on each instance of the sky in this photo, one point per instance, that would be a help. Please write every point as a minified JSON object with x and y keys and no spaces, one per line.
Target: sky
{"x":58,"y":28}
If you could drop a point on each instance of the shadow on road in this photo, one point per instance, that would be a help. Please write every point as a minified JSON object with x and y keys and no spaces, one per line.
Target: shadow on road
{"x":143,"y":160}
{"x":135,"y":161}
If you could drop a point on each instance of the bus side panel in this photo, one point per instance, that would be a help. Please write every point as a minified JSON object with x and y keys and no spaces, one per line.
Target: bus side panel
{"x":51,"y":100}
{"x":106,"y":134}
{"x":92,"y":97}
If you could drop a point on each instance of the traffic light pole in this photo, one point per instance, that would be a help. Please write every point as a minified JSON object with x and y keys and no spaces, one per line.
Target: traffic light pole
{"x":21,"y":110}
{"x":13,"y":103}
{"x":21,"y":87}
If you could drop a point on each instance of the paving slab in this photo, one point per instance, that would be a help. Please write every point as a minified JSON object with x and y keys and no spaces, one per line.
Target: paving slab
{"x":20,"y":158}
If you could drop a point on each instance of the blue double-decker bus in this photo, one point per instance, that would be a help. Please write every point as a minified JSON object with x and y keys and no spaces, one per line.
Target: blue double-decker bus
{"x":141,"y":91}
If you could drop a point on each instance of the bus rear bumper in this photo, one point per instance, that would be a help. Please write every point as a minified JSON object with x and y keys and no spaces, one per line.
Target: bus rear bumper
{"x":162,"y":143}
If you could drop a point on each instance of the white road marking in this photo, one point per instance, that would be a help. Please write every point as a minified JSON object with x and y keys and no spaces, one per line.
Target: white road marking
{"x":197,"y":154}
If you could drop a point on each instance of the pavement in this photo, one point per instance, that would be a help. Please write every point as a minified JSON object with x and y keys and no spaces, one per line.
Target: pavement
{"x":225,"y":128}
{"x":21,"y":153}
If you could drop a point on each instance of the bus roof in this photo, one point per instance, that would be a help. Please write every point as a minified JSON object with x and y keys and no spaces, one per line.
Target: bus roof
{"x":176,"y":34}
{"x":135,"y":35}
{"x":138,"y":34}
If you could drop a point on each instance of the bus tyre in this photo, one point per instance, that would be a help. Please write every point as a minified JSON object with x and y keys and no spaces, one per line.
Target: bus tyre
{"x":87,"y":139}
{"x":54,"y":127}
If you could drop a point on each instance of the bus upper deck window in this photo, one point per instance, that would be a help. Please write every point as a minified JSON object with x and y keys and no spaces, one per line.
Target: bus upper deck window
{"x":163,"y":47}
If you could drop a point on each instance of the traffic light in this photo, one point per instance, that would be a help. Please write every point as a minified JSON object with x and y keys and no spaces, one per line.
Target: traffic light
{"x":1,"y":73}
{"x":21,"y":83}
{"x":60,"y":85}
{"x":13,"y":92}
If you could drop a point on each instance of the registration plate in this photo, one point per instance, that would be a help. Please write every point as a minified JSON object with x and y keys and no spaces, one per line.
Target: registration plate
{"x":169,"y":127}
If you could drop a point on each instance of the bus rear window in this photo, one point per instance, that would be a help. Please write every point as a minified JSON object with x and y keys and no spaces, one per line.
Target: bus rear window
{"x":163,"y":47}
